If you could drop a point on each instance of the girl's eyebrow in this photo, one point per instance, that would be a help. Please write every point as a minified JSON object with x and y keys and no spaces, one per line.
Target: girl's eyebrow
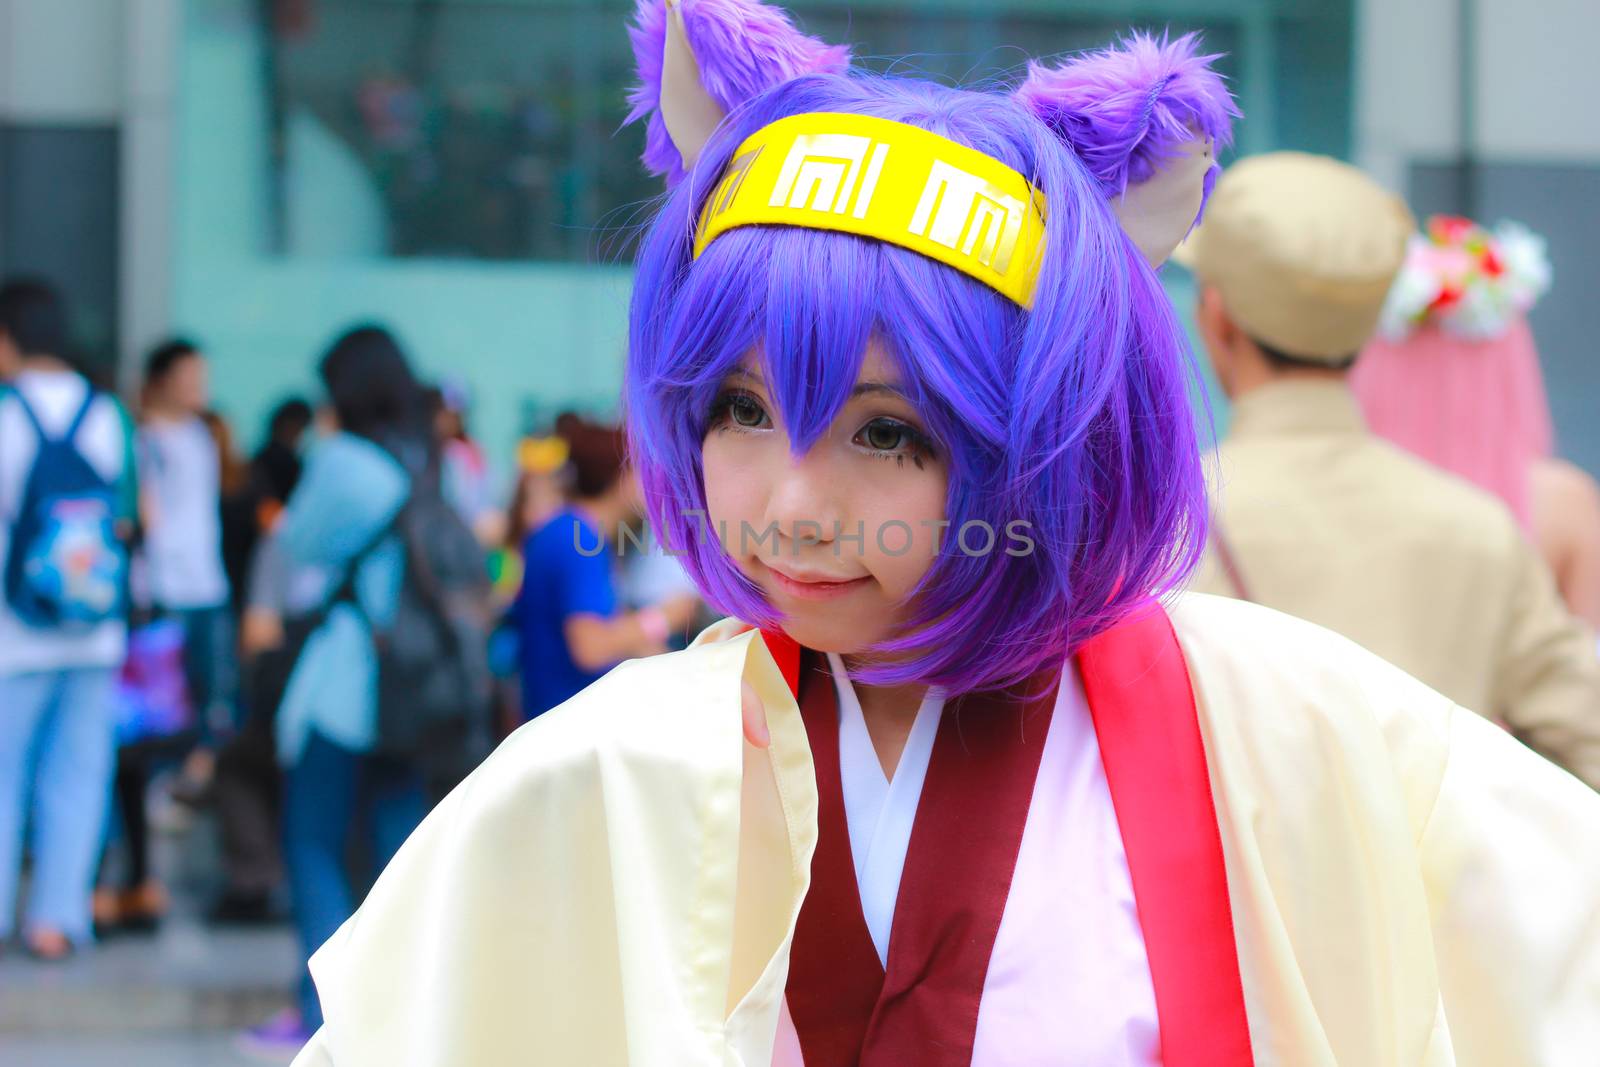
{"x":869,"y":388}
{"x":861,"y":388}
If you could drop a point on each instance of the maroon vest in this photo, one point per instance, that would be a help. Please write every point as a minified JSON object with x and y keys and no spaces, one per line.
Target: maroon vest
{"x":922,"y":1008}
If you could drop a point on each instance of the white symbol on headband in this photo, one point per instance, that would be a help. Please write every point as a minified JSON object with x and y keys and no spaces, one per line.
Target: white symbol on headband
{"x":964,"y":212}
{"x":827,"y":171}
{"x":728,"y":189}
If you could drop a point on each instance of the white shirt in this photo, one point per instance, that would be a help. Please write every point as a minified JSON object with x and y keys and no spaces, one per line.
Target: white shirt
{"x":880,"y":810}
{"x":1068,"y":980}
{"x":54,"y":397}
{"x":180,"y":473}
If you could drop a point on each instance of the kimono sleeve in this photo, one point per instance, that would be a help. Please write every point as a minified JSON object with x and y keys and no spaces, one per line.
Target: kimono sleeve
{"x":1511,"y":858}
{"x":574,"y":900}
{"x":315,"y":1052}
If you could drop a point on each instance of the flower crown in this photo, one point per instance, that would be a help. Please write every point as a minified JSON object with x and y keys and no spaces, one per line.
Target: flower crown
{"x":1466,"y":280}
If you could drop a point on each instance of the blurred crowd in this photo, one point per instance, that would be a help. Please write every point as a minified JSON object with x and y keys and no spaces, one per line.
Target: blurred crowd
{"x":314,"y":642}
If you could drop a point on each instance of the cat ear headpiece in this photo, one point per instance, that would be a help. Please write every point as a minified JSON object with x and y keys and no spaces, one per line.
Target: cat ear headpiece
{"x":1146,"y":119}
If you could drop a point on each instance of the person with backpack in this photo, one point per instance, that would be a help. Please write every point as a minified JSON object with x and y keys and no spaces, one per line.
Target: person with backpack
{"x":65,"y":471}
{"x":388,"y":698}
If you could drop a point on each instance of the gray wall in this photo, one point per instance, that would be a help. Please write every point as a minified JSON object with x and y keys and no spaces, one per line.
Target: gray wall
{"x":61,"y":91}
{"x":59,"y":220}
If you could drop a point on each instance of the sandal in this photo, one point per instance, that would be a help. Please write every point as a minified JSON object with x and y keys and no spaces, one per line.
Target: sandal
{"x":142,"y":908}
{"x":48,"y":945}
{"x":105,"y":912}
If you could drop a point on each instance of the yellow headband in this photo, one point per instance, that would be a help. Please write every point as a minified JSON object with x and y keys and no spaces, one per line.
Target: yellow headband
{"x":889,"y":181}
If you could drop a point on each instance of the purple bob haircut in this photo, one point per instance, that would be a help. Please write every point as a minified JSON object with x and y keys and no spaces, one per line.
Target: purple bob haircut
{"x":1073,"y":416}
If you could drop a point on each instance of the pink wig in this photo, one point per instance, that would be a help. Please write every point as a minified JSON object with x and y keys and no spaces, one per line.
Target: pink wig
{"x":1476,"y":408}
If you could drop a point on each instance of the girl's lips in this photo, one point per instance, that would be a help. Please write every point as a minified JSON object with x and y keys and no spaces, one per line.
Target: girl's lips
{"x":814,"y":590}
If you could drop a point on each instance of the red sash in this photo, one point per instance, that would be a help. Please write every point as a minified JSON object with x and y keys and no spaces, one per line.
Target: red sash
{"x":1142,"y":703}
{"x":963,"y":850}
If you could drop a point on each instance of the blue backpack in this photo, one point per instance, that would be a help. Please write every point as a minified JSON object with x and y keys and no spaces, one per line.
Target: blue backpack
{"x":65,"y":568}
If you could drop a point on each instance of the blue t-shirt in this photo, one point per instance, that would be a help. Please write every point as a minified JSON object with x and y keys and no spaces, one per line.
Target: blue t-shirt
{"x":558,"y":581}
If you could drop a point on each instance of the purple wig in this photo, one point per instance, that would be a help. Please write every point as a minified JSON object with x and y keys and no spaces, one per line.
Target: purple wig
{"x":1073,"y":416}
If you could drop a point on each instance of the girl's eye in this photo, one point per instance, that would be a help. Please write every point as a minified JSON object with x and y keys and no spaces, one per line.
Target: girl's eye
{"x":881,"y":435}
{"x":745,"y":412}
{"x":893,"y":439}
{"x":740,"y":411}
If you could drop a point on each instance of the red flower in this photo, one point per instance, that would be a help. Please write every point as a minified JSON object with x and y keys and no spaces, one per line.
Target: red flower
{"x":1447,"y":298}
{"x":1450,"y":229}
{"x":1492,"y":264}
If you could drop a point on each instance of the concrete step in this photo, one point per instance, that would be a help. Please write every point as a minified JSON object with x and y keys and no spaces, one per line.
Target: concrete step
{"x":197,"y":1050}
{"x":185,"y":979}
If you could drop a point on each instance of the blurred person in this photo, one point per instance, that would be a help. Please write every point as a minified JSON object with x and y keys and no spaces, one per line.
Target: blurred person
{"x":233,"y":471}
{"x":182,"y":470}
{"x":10,"y":355}
{"x":254,"y":493}
{"x":537,"y":494}
{"x":277,"y":465}
{"x":348,"y":518}
{"x":569,"y":623}
{"x":279,"y":612}
{"x":236,"y":506}
{"x":65,"y":462}
{"x":652,"y":575}
{"x":1315,"y":515}
{"x":465,"y":465}
{"x":180,"y":575}
{"x":1453,"y":377}
{"x":276,"y":613}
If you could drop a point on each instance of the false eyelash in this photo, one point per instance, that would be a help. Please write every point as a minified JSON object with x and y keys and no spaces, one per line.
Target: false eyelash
{"x":721,"y":417}
{"x":922,"y":446}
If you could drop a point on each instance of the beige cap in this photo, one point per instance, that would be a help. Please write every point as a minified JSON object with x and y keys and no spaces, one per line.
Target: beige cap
{"x":1302,"y":249}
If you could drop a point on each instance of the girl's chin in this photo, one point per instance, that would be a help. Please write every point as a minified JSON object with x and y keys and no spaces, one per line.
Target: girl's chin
{"x":821,"y":634}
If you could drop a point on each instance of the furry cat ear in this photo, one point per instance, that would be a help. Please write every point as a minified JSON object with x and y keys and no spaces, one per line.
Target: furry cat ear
{"x":1148,"y":119}
{"x":699,"y":59}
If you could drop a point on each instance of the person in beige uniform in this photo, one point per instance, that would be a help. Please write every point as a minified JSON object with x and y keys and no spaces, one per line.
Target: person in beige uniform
{"x":1317,"y":517}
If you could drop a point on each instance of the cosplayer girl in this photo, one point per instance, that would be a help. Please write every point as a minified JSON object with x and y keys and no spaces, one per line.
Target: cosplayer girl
{"x":1454,"y":378}
{"x":993,"y":802}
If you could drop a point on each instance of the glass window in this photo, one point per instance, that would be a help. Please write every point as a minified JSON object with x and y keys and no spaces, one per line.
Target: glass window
{"x":492,"y":129}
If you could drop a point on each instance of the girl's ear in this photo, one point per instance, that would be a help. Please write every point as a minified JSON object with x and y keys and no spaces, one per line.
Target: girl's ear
{"x":1148,"y":119}
{"x":699,"y":59}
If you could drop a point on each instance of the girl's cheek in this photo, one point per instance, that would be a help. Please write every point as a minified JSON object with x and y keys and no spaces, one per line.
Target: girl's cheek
{"x":733,"y":499}
{"x":902,"y":532}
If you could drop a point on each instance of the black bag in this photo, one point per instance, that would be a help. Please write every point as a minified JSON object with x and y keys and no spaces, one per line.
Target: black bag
{"x":434,"y":684}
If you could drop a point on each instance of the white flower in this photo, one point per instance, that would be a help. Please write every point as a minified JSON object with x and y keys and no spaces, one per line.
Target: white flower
{"x":1527,"y":264}
{"x":1414,"y":288}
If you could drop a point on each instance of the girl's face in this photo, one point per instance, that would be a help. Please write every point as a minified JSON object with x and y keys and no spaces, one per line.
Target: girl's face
{"x":836,"y":538}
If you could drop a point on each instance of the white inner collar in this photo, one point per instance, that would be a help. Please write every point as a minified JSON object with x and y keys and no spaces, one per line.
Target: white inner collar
{"x":880,"y":811}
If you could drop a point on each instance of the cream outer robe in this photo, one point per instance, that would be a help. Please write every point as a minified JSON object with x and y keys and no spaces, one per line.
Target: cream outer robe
{"x":618,"y":884}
